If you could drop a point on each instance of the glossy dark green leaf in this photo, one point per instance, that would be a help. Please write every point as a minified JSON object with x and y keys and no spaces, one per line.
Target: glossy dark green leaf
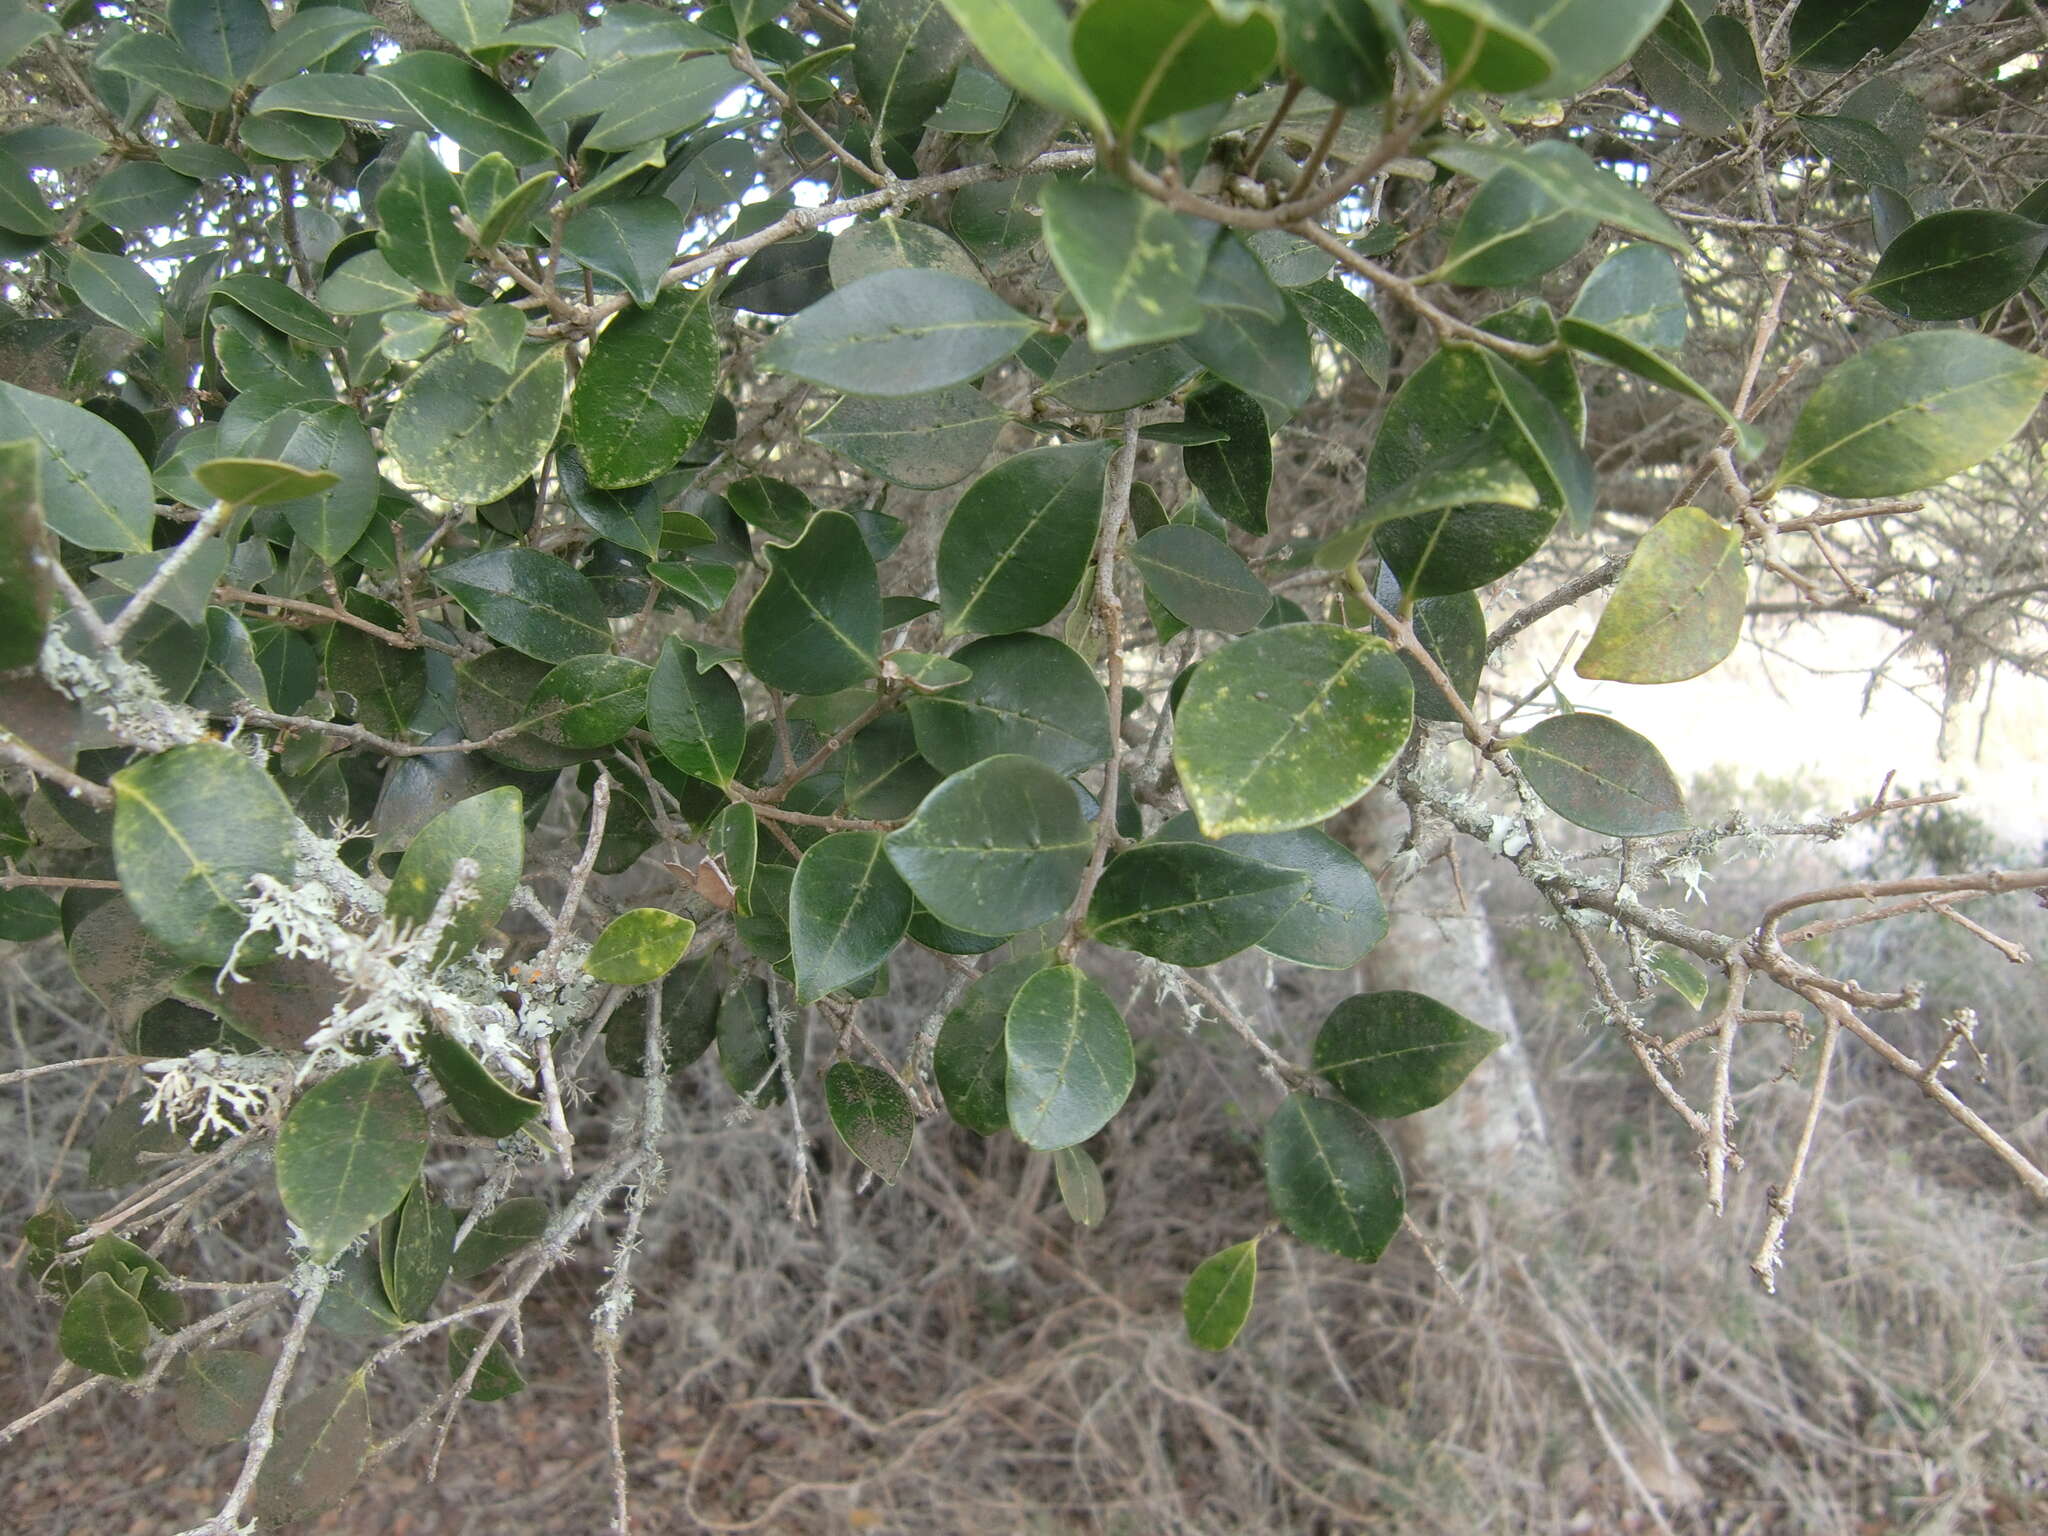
{"x":104,"y":1329}
{"x":1103,"y":382}
{"x":1332,"y":1181}
{"x":848,"y":908}
{"x":902,"y":332}
{"x":1236,"y":474}
{"x":279,"y":307}
{"x":1287,"y":726}
{"x":192,"y":826}
{"x":672,"y":95}
{"x":1189,"y":903}
{"x":1623,"y":353}
{"x":1705,"y":99}
{"x":414,"y":1250}
{"x":1571,"y":176}
{"x":1017,"y":542}
{"x":1515,"y":229}
{"x":470,"y":433}
{"x":1490,"y":41}
{"x":497,"y":1378}
{"x":1860,"y":150}
{"x":118,"y":290}
{"x":1835,"y":35}
{"x":96,"y":490}
{"x":24,"y":210}
{"x":1339,"y":917}
{"x":487,"y":829}
{"x":996,"y":848}
{"x":468,"y":24}
{"x":1200,"y":580}
{"x":492,"y":692}
{"x":1398,"y":1053}
{"x":1600,"y":775}
{"x":380,"y":685}
{"x":734,"y":839}
{"x":327,"y":439}
{"x":1269,"y":360}
{"x":689,"y":1022}
{"x":632,"y":241}
{"x":1026,"y":42}
{"x":467,"y":106}
{"x":776,"y":507}
{"x":486,"y":1106}
{"x":416,"y":222}
{"x":920,"y":442}
{"x":510,"y":1226}
{"x":1958,"y":263}
{"x":1218,"y":1296}
{"x":1910,"y":412}
{"x":532,"y":602}
{"x":1146,"y":60}
{"x":888,"y":243}
{"x":1636,"y":294}
{"x":1453,"y":630}
{"x":647,"y":389}
{"x":904,"y":56}
{"x":348,"y":1150}
{"x":785,"y":279}
{"x":1069,"y":1065}
{"x":639,"y":946}
{"x":872,"y":1116}
{"x":1029,"y":694}
{"x":816,"y":624}
{"x":590,"y":701}
{"x":1677,"y":611}
{"x":969,"y":1060}
{"x":747,"y":1057}
{"x":1133,"y":264}
{"x":218,"y":1393}
{"x":1342,"y":48}
{"x":695,"y":714}
{"x":1350,"y":322}
{"x":260,"y":482}
{"x":321,"y":1445}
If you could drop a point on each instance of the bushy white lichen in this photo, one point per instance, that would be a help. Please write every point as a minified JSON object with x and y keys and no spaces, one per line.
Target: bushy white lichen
{"x":217,"y":1093}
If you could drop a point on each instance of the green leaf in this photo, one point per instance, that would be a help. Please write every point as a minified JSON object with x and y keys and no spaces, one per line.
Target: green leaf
{"x":695,"y":714}
{"x":705,"y":586}
{"x":1342,"y":48}
{"x":416,"y":220}
{"x":322,"y":1443}
{"x":104,"y":1329}
{"x":23,"y":208}
{"x":224,"y":38}
{"x":470,"y":433}
{"x":468,"y":106}
{"x":1489,"y":42}
{"x":414,"y":1249}
{"x":1677,"y":611}
{"x":1018,"y":541}
{"x":218,"y":1393}
{"x":1598,"y":774}
{"x":96,"y":490}
{"x":1190,"y":903}
{"x":848,"y":908}
{"x":1623,"y":353}
{"x":1103,"y":382}
{"x":1453,"y":630}
{"x":673,"y":96}
{"x":747,"y":1057}
{"x":1287,"y":726}
{"x":888,"y":243}
{"x":689,"y":1022}
{"x":192,"y":826}
{"x":1909,"y":413}
{"x":1338,"y":918}
{"x":1706,"y":99}
{"x":996,"y":848}
{"x":1636,"y":294}
{"x":1399,"y":1053}
{"x":1147,"y":60}
{"x":486,"y":828}
{"x":970,"y":1061}
{"x":1026,"y":43}
{"x":162,"y":64}
{"x":1029,"y":695}
{"x":1350,"y":322}
{"x":497,"y":1378}
{"x":22,"y":26}
{"x":26,"y":585}
{"x":639,"y":946}
{"x":510,"y":1226}
{"x":1333,"y":1182}
{"x":385,"y":683}
{"x":468,"y":24}
{"x":899,"y":333}
{"x":1269,"y":360}
{"x":1069,"y":1065}
{"x":1080,"y":1183}
{"x":816,"y":624}
{"x":1218,"y":1296}
{"x":260,"y":482}
{"x":1834,"y":35}
{"x":1236,"y":474}
{"x":365,"y":285}
{"x":1958,"y":263}
{"x":904,"y":56}
{"x":646,"y":389}
{"x":118,"y":290}
{"x":590,"y":701}
{"x":872,"y":1116}
{"x":1133,"y":264}
{"x":347,"y":1152}
{"x":1572,"y":177}
{"x":920,"y":442}
{"x":485,"y":1105}
{"x":1861,"y":151}
{"x":632,"y":241}
{"x":1682,"y":976}
{"x":1200,"y":580}
{"x":331,"y":440}
{"x":1515,"y":229}
{"x":530,"y":601}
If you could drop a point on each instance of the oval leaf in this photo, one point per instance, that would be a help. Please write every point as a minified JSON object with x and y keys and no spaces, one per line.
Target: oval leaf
{"x":1018,"y":541}
{"x":848,"y":908}
{"x":639,"y":946}
{"x":997,"y":848}
{"x":1068,"y":1059}
{"x":347,"y":1152}
{"x":1398,"y":1053}
{"x":487,"y":829}
{"x":1598,"y":774}
{"x":1677,"y":611}
{"x":1190,"y":903}
{"x":1332,"y":1180}
{"x":872,"y":1116}
{"x":899,"y":333}
{"x":1218,"y":1296}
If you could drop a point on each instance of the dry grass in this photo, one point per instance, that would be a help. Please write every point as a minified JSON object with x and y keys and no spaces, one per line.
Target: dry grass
{"x":956,"y":1355}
